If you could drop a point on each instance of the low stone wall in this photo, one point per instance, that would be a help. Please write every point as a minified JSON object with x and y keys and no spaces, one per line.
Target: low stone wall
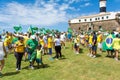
{"x":106,"y":25}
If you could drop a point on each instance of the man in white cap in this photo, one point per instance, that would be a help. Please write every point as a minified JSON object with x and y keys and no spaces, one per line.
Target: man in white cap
{"x":31,"y":44}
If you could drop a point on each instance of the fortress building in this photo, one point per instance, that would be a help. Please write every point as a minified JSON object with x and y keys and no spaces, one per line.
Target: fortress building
{"x":104,"y":20}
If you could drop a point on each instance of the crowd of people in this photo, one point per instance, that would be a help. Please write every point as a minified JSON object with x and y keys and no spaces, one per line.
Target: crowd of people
{"x":32,"y":47}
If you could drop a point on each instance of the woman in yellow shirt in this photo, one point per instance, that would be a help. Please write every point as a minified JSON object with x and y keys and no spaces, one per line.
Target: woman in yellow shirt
{"x":41,"y":41}
{"x":19,"y":52}
{"x":50,"y":45}
{"x":116,"y":46}
{"x":26,"y":48}
{"x":90,"y":44}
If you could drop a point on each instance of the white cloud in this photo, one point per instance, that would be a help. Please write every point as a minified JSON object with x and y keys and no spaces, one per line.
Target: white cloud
{"x":44,"y":13}
{"x":86,"y":4}
{"x":15,"y":13}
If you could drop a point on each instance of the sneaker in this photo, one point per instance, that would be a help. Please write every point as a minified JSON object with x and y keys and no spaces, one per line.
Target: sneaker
{"x":94,"y":56}
{"x":56,"y":59}
{"x":32,"y":67}
{"x":116,"y":59}
{"x":91,"y":55}
{"x":17,"y":69}
{"x":77,"y":53}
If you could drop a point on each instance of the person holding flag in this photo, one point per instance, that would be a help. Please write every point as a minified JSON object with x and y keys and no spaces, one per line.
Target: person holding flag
{"x":107,"y":44}
{"x":31,"y":44}
{"x":116,"y":46}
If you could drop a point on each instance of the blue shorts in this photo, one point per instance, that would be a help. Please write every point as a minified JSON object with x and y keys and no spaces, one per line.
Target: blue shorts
{"x":7,"y":49}
{"x":50,"y":51}
{"x":90,"y":45}
{"x":26,"y":49}
{"x":38,"y":60}
{"x":94,"y":47}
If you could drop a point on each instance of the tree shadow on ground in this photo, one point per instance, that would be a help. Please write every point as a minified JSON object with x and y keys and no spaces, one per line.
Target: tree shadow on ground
{"x":11,"y":73}
{"x":98,"y":55}
{"x":80,"y":50}
{"x":41,"y":66}
{"x":67,"y":47}
{"x":35,"y":67}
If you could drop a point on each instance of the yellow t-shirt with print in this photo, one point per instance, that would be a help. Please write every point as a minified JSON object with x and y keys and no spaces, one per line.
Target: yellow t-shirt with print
{"x":49,"y":42}
{"x":99,"y":38}
{"x":10,"y":39}
{"x":41,"y":42}
{"x":19,"y":47}
{"x":116,"y":43}
{"x":25,"y":40}
{"x":6,"y":42}
{"x":90,"y":39}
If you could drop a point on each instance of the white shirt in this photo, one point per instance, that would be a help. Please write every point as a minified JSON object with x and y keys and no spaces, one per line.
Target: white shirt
{"x":57,"y":42}
{"x":62,"y":37}
{"x":1,"y":49}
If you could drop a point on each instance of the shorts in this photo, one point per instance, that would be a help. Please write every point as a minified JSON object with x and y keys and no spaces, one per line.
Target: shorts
{"x":10,"y":46}
{"x":76,"y":45}
{"x":38,"y":60}
{"x":7,"y":49}
{"x":1,"y":56}
{"x":86,"y":40}
{"x":50,"y":51}
{"x":99,"y":45}
{"x":94,"y":48}
{"x":90,"y":45}
{"x":26,"y":49}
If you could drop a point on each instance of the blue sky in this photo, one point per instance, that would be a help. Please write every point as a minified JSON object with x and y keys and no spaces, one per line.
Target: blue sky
{"x":52,"y":14}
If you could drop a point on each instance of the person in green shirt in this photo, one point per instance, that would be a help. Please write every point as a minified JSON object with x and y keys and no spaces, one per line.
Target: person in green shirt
{"x":31,"y":44}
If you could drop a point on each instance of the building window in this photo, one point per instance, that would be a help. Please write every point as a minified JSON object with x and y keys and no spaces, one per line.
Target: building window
{"x":90,"y":19}
{"x":79,"y":20}
{"x":102,"y":17}
{"x":107,"y":17}
{"x":98,"y":18}
{"x":85,"y":19}
{"x":95,"y":18}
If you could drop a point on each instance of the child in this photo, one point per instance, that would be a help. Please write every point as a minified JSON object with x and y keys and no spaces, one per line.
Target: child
{"x":39,"y":56}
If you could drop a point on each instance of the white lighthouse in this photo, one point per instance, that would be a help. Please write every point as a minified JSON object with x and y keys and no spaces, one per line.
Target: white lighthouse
{"x":102,"y":6}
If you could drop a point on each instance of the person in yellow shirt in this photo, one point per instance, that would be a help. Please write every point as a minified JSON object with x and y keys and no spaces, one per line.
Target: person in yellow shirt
{"x":26,"y":48}
{"x":41,"y":41}
{"x":50,"y":45}
{"x":116,"y":46}
{"x":86,"y":39}
{"x":10,"y":40}
{"x":6,"y":44}
{"x":19,"y":52}
{"x":90,"y":44}
{"x":77,"y":44}
{"x":99,"y":41}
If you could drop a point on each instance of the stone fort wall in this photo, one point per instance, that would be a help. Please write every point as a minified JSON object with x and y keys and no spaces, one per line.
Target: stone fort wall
{"x":105,"y":25}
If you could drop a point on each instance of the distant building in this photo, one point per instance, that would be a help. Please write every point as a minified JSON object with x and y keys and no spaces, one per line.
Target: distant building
{"x":103,"y":20}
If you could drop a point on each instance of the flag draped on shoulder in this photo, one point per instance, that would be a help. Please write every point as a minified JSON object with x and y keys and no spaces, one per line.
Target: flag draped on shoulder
{"x":107,"y":44}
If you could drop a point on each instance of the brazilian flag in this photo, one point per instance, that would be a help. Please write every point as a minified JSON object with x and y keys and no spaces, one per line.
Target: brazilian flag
{"x":107,"y":44}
